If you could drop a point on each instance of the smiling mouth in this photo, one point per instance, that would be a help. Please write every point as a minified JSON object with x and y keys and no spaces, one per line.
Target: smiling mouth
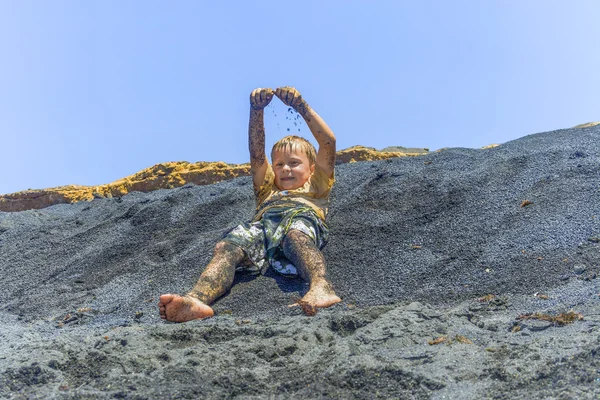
{"x":287,"y":179}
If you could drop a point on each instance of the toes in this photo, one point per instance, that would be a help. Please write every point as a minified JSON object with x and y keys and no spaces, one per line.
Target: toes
{"x":166,"y":298}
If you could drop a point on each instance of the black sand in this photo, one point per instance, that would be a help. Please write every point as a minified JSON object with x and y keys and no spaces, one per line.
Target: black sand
{"x":414,"y":243}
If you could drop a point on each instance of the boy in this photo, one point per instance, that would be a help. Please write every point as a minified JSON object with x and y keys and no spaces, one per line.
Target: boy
{"x":288,"y":230}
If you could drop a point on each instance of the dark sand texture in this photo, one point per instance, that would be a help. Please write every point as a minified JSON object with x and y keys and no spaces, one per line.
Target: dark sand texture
{"x":414,"y":243}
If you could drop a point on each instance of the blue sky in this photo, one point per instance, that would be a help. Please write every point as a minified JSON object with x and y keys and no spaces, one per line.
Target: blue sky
{"x":95,"y":91}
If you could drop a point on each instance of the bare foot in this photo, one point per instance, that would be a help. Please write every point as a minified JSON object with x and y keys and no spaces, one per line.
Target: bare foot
{"x":175,"y":308}
{"x":320,"y":295}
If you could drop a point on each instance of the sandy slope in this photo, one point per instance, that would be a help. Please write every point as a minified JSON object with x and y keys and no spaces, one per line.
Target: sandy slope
{"x":415,"y":243}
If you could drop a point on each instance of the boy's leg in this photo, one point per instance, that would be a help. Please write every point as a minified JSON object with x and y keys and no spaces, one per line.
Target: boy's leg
{"x":213,"y":283}
{"x":300,"y":249}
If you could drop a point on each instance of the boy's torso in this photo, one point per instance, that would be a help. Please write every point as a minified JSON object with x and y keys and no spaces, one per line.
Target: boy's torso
{"x":314,"y":193}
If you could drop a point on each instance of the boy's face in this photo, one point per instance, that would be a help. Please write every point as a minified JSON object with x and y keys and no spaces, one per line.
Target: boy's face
{"x":292,"y":169}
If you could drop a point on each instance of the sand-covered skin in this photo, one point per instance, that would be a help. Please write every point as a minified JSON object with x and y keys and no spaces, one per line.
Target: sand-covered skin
{"x":416,"y":244}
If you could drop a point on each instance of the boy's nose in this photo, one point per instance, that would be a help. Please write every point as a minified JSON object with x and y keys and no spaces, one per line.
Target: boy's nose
{"x":286,"y":167}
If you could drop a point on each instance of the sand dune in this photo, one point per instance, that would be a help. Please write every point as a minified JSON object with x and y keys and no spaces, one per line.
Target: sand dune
{"x":453,"y":268}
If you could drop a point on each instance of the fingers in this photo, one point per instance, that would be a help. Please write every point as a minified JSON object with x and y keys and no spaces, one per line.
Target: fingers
{"x":266,"y":95}
{"x":288,"y":95}
{"x":260,"y":97}
{"x":257,"y":97}
{"x":253,"y":96}
{"x":283,"y":93}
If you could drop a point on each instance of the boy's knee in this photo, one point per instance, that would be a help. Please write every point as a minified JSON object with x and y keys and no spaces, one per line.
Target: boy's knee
{"x":221,"y":246}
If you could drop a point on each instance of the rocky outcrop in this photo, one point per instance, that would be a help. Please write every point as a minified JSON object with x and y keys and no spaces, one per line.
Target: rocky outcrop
{"x":586,"y":125}
{"x":168,"y":176}
{"x":160,"y":176}
{"x":362,"y":153}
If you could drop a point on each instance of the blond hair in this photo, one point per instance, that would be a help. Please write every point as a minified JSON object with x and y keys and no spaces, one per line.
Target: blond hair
{"x":295,"y":143}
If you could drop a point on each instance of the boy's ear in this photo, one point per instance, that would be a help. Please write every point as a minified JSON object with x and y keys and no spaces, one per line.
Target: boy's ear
{"x":312,"y":168}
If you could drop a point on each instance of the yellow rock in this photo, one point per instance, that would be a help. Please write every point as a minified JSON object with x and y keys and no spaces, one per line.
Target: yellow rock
{"x":586,"y":125}
{"x":361,"y":153}
{"x":490,"y":146}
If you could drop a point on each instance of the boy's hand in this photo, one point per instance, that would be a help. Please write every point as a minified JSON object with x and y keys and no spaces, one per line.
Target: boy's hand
{"x":260,"y":98}
{"x":289,"y":96}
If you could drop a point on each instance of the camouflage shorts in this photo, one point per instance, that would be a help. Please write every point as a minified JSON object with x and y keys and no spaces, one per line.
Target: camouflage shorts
{"x":261,"y":240}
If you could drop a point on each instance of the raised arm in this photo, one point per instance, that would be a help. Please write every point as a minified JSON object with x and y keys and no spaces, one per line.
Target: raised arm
{"x":322,"y":133}
{"x":259,"y":99}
